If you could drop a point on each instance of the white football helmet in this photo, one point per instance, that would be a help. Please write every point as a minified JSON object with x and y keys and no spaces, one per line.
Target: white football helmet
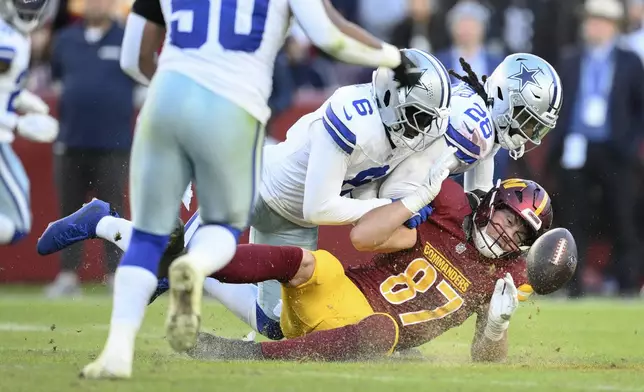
{"x":27,"y":15}
{"x":526,"y":95}
{"x":414,"y":116}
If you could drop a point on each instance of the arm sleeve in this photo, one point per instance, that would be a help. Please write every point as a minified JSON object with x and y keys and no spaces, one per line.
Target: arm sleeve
{"x":328,"y":163}
{"x":131,"y":47}
{"x":314,"y":20}
{"x":149,"y":10}
{"x":480,"y":177}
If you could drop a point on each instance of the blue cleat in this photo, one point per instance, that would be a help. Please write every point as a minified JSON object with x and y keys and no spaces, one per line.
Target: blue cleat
{"x":79,"y":226}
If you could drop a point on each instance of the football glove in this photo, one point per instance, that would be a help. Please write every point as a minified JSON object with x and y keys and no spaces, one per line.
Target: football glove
{"x":28,"y":102}
{"x":425,"y":194}
{"x":419,"y":217}
{"x":6,"y":136}
{"x":41,"y":128}
{"x":502,"y":305}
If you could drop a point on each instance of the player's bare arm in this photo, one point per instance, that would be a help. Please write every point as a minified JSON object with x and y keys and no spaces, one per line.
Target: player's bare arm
{"x":382,"y":230}
{"x":483,"y":348}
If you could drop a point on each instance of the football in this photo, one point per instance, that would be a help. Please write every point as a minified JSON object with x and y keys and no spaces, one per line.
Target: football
{"x":551,"y":261}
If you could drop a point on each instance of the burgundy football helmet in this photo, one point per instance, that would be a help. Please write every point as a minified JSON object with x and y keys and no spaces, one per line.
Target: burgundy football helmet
{"x":528,"y":201}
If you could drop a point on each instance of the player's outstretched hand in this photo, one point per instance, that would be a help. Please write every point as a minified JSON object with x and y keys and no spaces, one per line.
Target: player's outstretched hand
{"x":41,"y":128}
{"x":502,"y":305}
{"x":427,"y":192}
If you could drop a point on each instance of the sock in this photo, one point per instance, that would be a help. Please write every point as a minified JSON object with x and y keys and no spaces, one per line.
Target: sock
{"x":256,"y":263}
{"x":134,"y":282}
{"x":7,"y":230}
{"x":375,"y":335}
{"x":115,"y":230}
{"x":214,"y":246}
{"x":269,"y":297}
{"x":145,"y":250}
{"x":133,"y":286}
{"x":238,"y":298}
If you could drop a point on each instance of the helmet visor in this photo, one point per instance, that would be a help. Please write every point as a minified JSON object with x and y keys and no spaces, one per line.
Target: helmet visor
{"x":529,"y":124}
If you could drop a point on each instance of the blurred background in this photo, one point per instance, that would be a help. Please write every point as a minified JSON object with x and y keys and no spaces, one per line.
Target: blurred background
{"x":592,"y":163}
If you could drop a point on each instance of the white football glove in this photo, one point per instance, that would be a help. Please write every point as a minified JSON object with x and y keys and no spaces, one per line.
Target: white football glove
{"x":41,"y":128}
{"x":425,"y":194}
{"x":502,"y":305}
{"x":28,"y":102}
{"x":6,"y":136}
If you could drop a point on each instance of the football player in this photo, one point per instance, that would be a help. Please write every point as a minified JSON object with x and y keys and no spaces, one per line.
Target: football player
{"x":203,"y":120}
{"x":22,"y":112}
{"x":465,"y":259}
{"x":346,"y":144}
{"x":516,"y":106}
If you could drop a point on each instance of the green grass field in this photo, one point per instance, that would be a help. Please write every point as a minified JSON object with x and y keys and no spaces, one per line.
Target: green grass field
{"x":555,"y":346}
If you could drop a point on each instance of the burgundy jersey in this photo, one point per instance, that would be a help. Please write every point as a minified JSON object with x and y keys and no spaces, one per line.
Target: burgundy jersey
{"x":441,"y":281}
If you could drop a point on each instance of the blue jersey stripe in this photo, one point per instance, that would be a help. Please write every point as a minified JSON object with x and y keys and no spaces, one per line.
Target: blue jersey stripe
{"x":338,"y":131}
{"x":460,"y":154}
{"x":462,"y":142}
{"x":7,"y":53}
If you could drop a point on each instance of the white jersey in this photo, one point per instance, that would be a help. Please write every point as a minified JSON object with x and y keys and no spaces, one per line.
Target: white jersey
{"x":470,"y":129}
{"x":350,"y":122}
{"x":227,"y":46}
{"x":15,"y":49}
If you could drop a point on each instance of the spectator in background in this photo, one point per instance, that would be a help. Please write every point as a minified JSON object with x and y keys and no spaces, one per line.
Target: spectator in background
{"x":96,"y":113}
{"x":467,"y":23}
{"x":424,"y":26}
{"x":635,"y":33}
{"x":595,"y":143}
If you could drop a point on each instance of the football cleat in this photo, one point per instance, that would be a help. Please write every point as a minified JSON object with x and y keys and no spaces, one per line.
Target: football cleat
{"x":184,"y":312}
{"x":102,"y":369}
{"x":79,"y":226}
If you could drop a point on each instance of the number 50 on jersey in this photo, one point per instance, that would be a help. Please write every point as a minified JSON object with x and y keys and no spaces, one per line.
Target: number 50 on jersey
{"x":191,"y":22}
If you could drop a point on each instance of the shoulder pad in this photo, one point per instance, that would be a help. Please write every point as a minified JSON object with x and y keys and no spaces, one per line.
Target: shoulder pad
{"x":351,"y":116}
{"x":470,"y":128}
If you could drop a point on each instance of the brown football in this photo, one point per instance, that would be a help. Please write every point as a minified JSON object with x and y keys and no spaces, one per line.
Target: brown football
{"x":551,"y":261}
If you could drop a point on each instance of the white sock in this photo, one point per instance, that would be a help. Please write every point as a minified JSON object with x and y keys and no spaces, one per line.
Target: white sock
{"x":7,"y":230}
{"x":115,"y":230}
{"x":214,"y":247}
{"x":133,"y":287}
{"x":240,"y":299}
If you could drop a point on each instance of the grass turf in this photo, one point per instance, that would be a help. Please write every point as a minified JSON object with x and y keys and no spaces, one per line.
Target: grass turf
{"x":590,"y":345}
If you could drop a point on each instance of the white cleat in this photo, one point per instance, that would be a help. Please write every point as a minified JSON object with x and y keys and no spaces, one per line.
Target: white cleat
{"x":184,"y":313}
{"x":102,"y":369}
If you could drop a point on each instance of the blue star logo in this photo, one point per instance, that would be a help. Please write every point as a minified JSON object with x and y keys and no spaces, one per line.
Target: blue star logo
{"x":526,"y":76}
